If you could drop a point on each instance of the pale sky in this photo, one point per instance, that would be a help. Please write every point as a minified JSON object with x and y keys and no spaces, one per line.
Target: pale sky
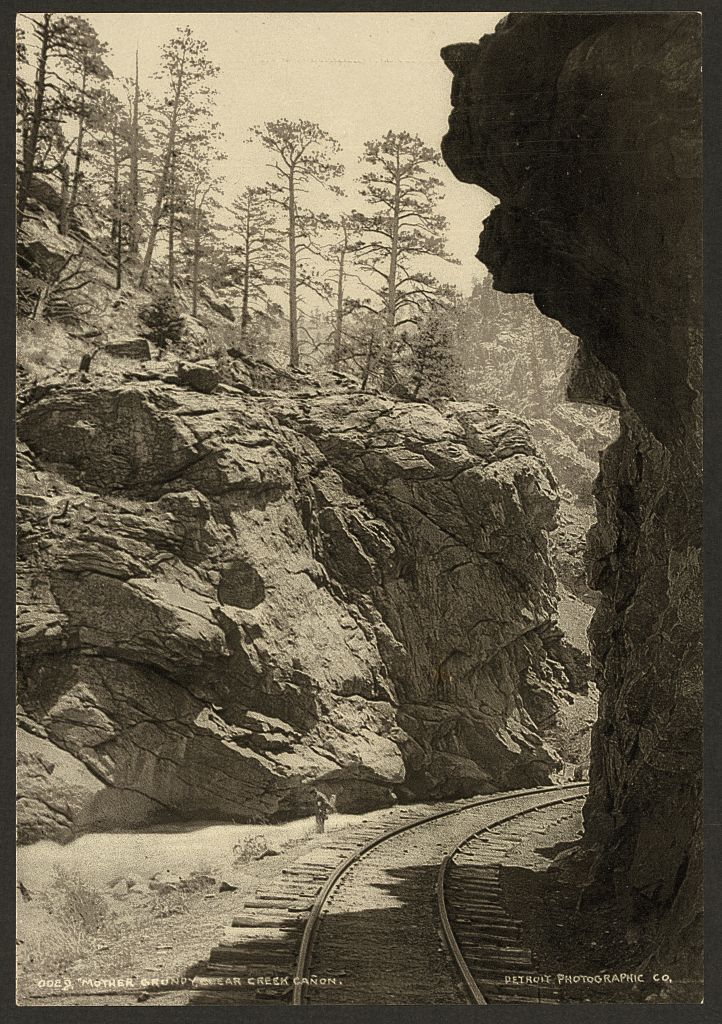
{"x":356,"y":74}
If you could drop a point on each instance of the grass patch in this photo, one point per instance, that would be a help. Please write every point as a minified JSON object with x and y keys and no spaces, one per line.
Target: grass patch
{"x":70,"y":921}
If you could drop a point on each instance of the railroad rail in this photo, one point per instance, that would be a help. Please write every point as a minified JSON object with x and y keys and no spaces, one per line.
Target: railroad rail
{"x":483,"y":940}
{"x":359,"y":921}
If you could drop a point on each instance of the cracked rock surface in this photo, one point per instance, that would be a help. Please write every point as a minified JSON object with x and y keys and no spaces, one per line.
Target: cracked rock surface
{"x":228,"y":599}
{"x":587,"y":128}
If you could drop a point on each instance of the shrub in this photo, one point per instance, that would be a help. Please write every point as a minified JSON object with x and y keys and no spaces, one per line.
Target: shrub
{"x":163,"y":319}
{"x":77,"y":904}
{"x":248,"y":849}
{"x":67,"y":924}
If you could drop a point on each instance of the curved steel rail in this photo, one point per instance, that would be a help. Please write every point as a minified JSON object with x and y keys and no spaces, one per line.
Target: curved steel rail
{"x":448,"y":933}
{"x":309,"y":933}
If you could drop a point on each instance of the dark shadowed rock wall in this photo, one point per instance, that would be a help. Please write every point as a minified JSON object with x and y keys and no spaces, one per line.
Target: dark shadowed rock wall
{"x":587,"y":128}
{"x":228,"y":599}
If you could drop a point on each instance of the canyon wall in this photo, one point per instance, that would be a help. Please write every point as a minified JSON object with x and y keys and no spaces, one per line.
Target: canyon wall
{"x":232,"y":592}
{"x":587,"y":129}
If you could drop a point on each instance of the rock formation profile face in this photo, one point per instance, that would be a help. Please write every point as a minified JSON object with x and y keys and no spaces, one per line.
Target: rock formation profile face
{"x":229,"y":599}
{"x":587,"y":129}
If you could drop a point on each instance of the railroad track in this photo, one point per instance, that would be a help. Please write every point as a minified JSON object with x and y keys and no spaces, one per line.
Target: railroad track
{"x":485,"y":942}
{"x":407,"y":909}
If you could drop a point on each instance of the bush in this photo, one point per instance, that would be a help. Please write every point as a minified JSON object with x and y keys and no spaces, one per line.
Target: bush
{"x":163,"y":320}
{"x":248,"y":849}
{"x":68,"y":923}
{"x":77,"y":904}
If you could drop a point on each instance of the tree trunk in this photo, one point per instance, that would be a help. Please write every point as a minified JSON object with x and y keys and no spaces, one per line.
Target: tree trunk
{"x":338,"y":326}
{"x":30,"y":147}
{"x":119,"y":256}
{"x":292,"y":296}
{"x":117,"y":215}
{"x":245,"y":316}
{"x":79,"y":146}
{"x":369,"y":362}
{"x":40,"y":302}
{"x":116,"y":173}
{"x":196,"y":257}
{"x":387,"y":351}
{"x":64,"y":214}
{"x":134,"y":226}
{"x":163,"y":182}
{"x":171,"y":222}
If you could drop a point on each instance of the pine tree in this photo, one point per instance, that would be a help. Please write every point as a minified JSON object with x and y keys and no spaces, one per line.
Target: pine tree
{"x":134,"y":143}
{"x":402,"y":227}
{"x":193,"y":200}
{"x":197,"y":194}
{"x":340,"y":253}
{"x":258,"y":251}
{"x":111,"y":157}
{"x":184,"y":115}
{"x":84,"y":57}
{"x":41,"y":106}
{"x":302,"y":152}
{"x":32,"y":116}
{"x":435,"y":371}
{"x":362,"y":342}
{"x":117,"y":153}
{"x":162,"y":319}
{"x":69,"y":69}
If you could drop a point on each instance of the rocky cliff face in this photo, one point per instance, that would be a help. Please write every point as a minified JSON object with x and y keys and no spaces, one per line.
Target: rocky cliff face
{"x":227,"y":599}
{"x":587,"y":129}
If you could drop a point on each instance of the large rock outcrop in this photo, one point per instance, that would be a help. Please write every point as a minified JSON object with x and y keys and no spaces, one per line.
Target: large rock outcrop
{"x":227,"y":599}
{"x":587,"y":128}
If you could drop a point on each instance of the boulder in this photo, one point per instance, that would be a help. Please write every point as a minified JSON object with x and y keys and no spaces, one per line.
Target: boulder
{"x":128,"y":348}
{"x":42,"y":251}
{"x":201,"y":376}
{"x":45,"y":194}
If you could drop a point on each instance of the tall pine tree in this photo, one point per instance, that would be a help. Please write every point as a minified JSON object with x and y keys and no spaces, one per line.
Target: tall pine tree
{"x":340,"y":253}
{"x":258,"y":253}
{"x":84,"y":58}
{"x":43,"y":101}
{"x":302,"y":152}
{"x":182,"y":115}
{"x":402,"y":227}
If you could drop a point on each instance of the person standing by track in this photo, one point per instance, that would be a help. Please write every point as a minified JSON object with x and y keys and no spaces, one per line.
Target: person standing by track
{"x":322,"y":810}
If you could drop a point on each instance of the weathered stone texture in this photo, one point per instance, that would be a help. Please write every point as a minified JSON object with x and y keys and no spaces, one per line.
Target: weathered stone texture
{"x":129,"y":348}
{"x":587,"y":128}
{"x":226,"y":600}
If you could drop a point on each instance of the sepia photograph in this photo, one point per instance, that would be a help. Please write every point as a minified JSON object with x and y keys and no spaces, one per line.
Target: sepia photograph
{"x":359,"y":508}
